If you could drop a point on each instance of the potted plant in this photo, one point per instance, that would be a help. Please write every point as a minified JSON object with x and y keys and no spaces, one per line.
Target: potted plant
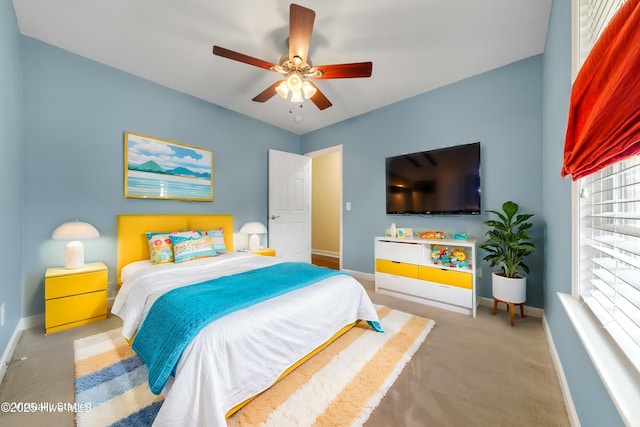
{"x":507,"y":245}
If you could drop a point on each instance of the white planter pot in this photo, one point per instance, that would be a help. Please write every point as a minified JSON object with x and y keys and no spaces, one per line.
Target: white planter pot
{"x":509,"y":289}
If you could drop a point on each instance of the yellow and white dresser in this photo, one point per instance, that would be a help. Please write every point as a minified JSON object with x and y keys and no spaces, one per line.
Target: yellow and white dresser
{"x":75,"y":297}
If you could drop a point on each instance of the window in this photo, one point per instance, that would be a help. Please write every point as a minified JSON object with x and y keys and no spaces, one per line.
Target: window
{"x":607,"y":275}
{"x":604,"y":307}
{"x":610,"y":251}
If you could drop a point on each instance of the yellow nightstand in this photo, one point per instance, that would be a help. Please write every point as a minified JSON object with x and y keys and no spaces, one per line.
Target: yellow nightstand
{"x":75,"y":297}
{"x":265,"y":252}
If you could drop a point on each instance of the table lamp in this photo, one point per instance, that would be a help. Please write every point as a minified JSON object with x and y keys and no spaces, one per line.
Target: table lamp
{"x":254,"y":228}
{"x":75,"y":231}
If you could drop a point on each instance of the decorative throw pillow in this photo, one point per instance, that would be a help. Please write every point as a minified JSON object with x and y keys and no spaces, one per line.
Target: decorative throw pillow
{"x":217,"y":239}
{"x":160,"y":247}
{"x":188,"y":248}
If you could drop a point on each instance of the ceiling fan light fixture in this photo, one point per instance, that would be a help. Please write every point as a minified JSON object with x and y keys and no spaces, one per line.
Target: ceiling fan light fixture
{"x":308,"y":89}
{"x":296,"y":96}
{"x":294,"y":81}
{"x":282,"y":89}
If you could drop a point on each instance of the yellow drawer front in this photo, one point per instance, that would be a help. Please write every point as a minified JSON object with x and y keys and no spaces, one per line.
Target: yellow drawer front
{"x":446,"y":277}
{"x":71,"y":309}
{"x":397,"y":268}
{"x":61,"y":286}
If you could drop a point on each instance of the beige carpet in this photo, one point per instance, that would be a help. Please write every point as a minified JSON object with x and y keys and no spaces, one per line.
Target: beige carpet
{"x":340,"y":386}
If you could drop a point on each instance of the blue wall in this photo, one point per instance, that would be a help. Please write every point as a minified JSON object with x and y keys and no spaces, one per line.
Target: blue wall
{"x":11,"y":170}
{"x":76,"y":111}
{"x":502,"y":109}
{"x":592,"y":402}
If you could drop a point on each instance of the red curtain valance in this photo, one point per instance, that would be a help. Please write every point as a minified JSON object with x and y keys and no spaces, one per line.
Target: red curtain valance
{"x":604,"y":112}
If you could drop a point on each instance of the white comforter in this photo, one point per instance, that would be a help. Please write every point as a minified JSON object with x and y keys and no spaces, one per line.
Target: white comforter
{"x":242,"y":354}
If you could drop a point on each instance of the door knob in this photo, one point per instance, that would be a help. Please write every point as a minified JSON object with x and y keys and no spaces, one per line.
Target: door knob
{"x":275,"y":216}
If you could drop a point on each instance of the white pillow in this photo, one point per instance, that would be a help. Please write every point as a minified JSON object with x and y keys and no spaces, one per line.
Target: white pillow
{"x":132,"y":268}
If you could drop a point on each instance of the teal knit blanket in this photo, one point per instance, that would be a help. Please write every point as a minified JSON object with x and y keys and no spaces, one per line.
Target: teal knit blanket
{"x":177,"y":316}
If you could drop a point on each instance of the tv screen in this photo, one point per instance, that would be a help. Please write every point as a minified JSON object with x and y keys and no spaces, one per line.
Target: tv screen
{"x":445,"y":181}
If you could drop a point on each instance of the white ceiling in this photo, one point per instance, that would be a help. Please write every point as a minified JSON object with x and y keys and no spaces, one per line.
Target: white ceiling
{"x":415,"y":45}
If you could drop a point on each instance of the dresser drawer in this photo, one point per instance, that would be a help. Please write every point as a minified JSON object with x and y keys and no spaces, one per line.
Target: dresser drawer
{"x":446,"y":277}
{"x":73,"y":284}
{"x":79,"y":307}
{"x":422,"y":289}
{"x":399,"y":251}
{"x":397,"y":268}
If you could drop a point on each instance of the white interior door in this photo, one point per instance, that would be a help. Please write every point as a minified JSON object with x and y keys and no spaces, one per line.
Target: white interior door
{"x":289,"y":205}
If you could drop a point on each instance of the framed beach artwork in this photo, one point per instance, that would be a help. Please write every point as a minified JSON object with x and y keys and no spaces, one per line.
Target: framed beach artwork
{"x":159,"y":169}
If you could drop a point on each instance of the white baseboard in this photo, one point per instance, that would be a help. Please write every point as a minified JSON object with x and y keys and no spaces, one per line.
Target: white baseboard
{"x":528,"y":311}
{"x":31,"y":321}
{"x":8,"y":351}
{"x":360,"y":275}
{"x":564,"y":386}
{"x":325,"y":253}
{"x":23,"y":323}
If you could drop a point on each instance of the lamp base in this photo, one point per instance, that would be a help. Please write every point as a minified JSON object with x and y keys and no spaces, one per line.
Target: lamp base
{"x":254,"y":242}
{"x":74,"y":256}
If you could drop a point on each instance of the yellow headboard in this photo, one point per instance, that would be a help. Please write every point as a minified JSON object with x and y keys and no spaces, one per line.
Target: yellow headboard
{"x":132,"y":240}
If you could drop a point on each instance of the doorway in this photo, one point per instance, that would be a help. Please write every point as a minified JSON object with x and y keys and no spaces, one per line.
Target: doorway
{"x":326,"y":207}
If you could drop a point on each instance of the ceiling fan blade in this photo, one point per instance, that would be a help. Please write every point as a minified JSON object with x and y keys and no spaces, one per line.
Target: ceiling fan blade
{"x":236,"y":56}
{"x":319,"y":99}
{"x":300,"y":29}
{"x":345,"y":71}
{"x":266,"y":94}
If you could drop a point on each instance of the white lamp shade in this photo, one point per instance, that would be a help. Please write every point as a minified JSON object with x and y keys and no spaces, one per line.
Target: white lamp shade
{"x":254,"y":228}
{"x":296,"y":96}
{"x":75,"y":231}
{"x":282,"y":89}
{"x":308,"y":89}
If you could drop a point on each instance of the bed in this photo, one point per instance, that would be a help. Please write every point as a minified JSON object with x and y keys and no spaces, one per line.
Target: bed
{"x":235,"y":357}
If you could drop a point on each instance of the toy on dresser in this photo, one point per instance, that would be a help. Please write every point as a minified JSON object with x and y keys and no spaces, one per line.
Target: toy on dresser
{"x":459,"y":258}
{"x":440,"y":256}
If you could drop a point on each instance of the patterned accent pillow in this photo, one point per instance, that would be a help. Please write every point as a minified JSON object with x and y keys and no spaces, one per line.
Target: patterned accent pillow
{"x":188,"y":248}
{"x":217,"y":239}
{"x":160,"y":247}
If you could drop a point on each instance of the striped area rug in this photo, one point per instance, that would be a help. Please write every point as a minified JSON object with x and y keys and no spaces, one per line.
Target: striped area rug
{"x":340,"y":386}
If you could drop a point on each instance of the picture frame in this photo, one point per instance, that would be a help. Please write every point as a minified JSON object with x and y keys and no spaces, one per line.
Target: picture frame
{"x":156,"y":168}
{"x":405,"y":232}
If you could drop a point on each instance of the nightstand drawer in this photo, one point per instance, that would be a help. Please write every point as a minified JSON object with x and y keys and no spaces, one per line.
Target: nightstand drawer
{"x":71,"y":309}
{"x":73,"y":284}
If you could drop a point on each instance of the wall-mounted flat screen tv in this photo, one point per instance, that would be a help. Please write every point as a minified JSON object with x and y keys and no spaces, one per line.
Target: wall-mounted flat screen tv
{"x":444,"y":181}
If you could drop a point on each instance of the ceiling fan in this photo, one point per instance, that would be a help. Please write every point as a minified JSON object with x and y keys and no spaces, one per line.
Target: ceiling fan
{"x":296,"y":67}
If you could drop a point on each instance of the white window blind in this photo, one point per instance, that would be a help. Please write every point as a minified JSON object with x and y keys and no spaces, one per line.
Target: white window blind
{"x":610,"y":251}
{"x":594,"y":17}
{"x":599,"y":14}
{"x":610,"y":223}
